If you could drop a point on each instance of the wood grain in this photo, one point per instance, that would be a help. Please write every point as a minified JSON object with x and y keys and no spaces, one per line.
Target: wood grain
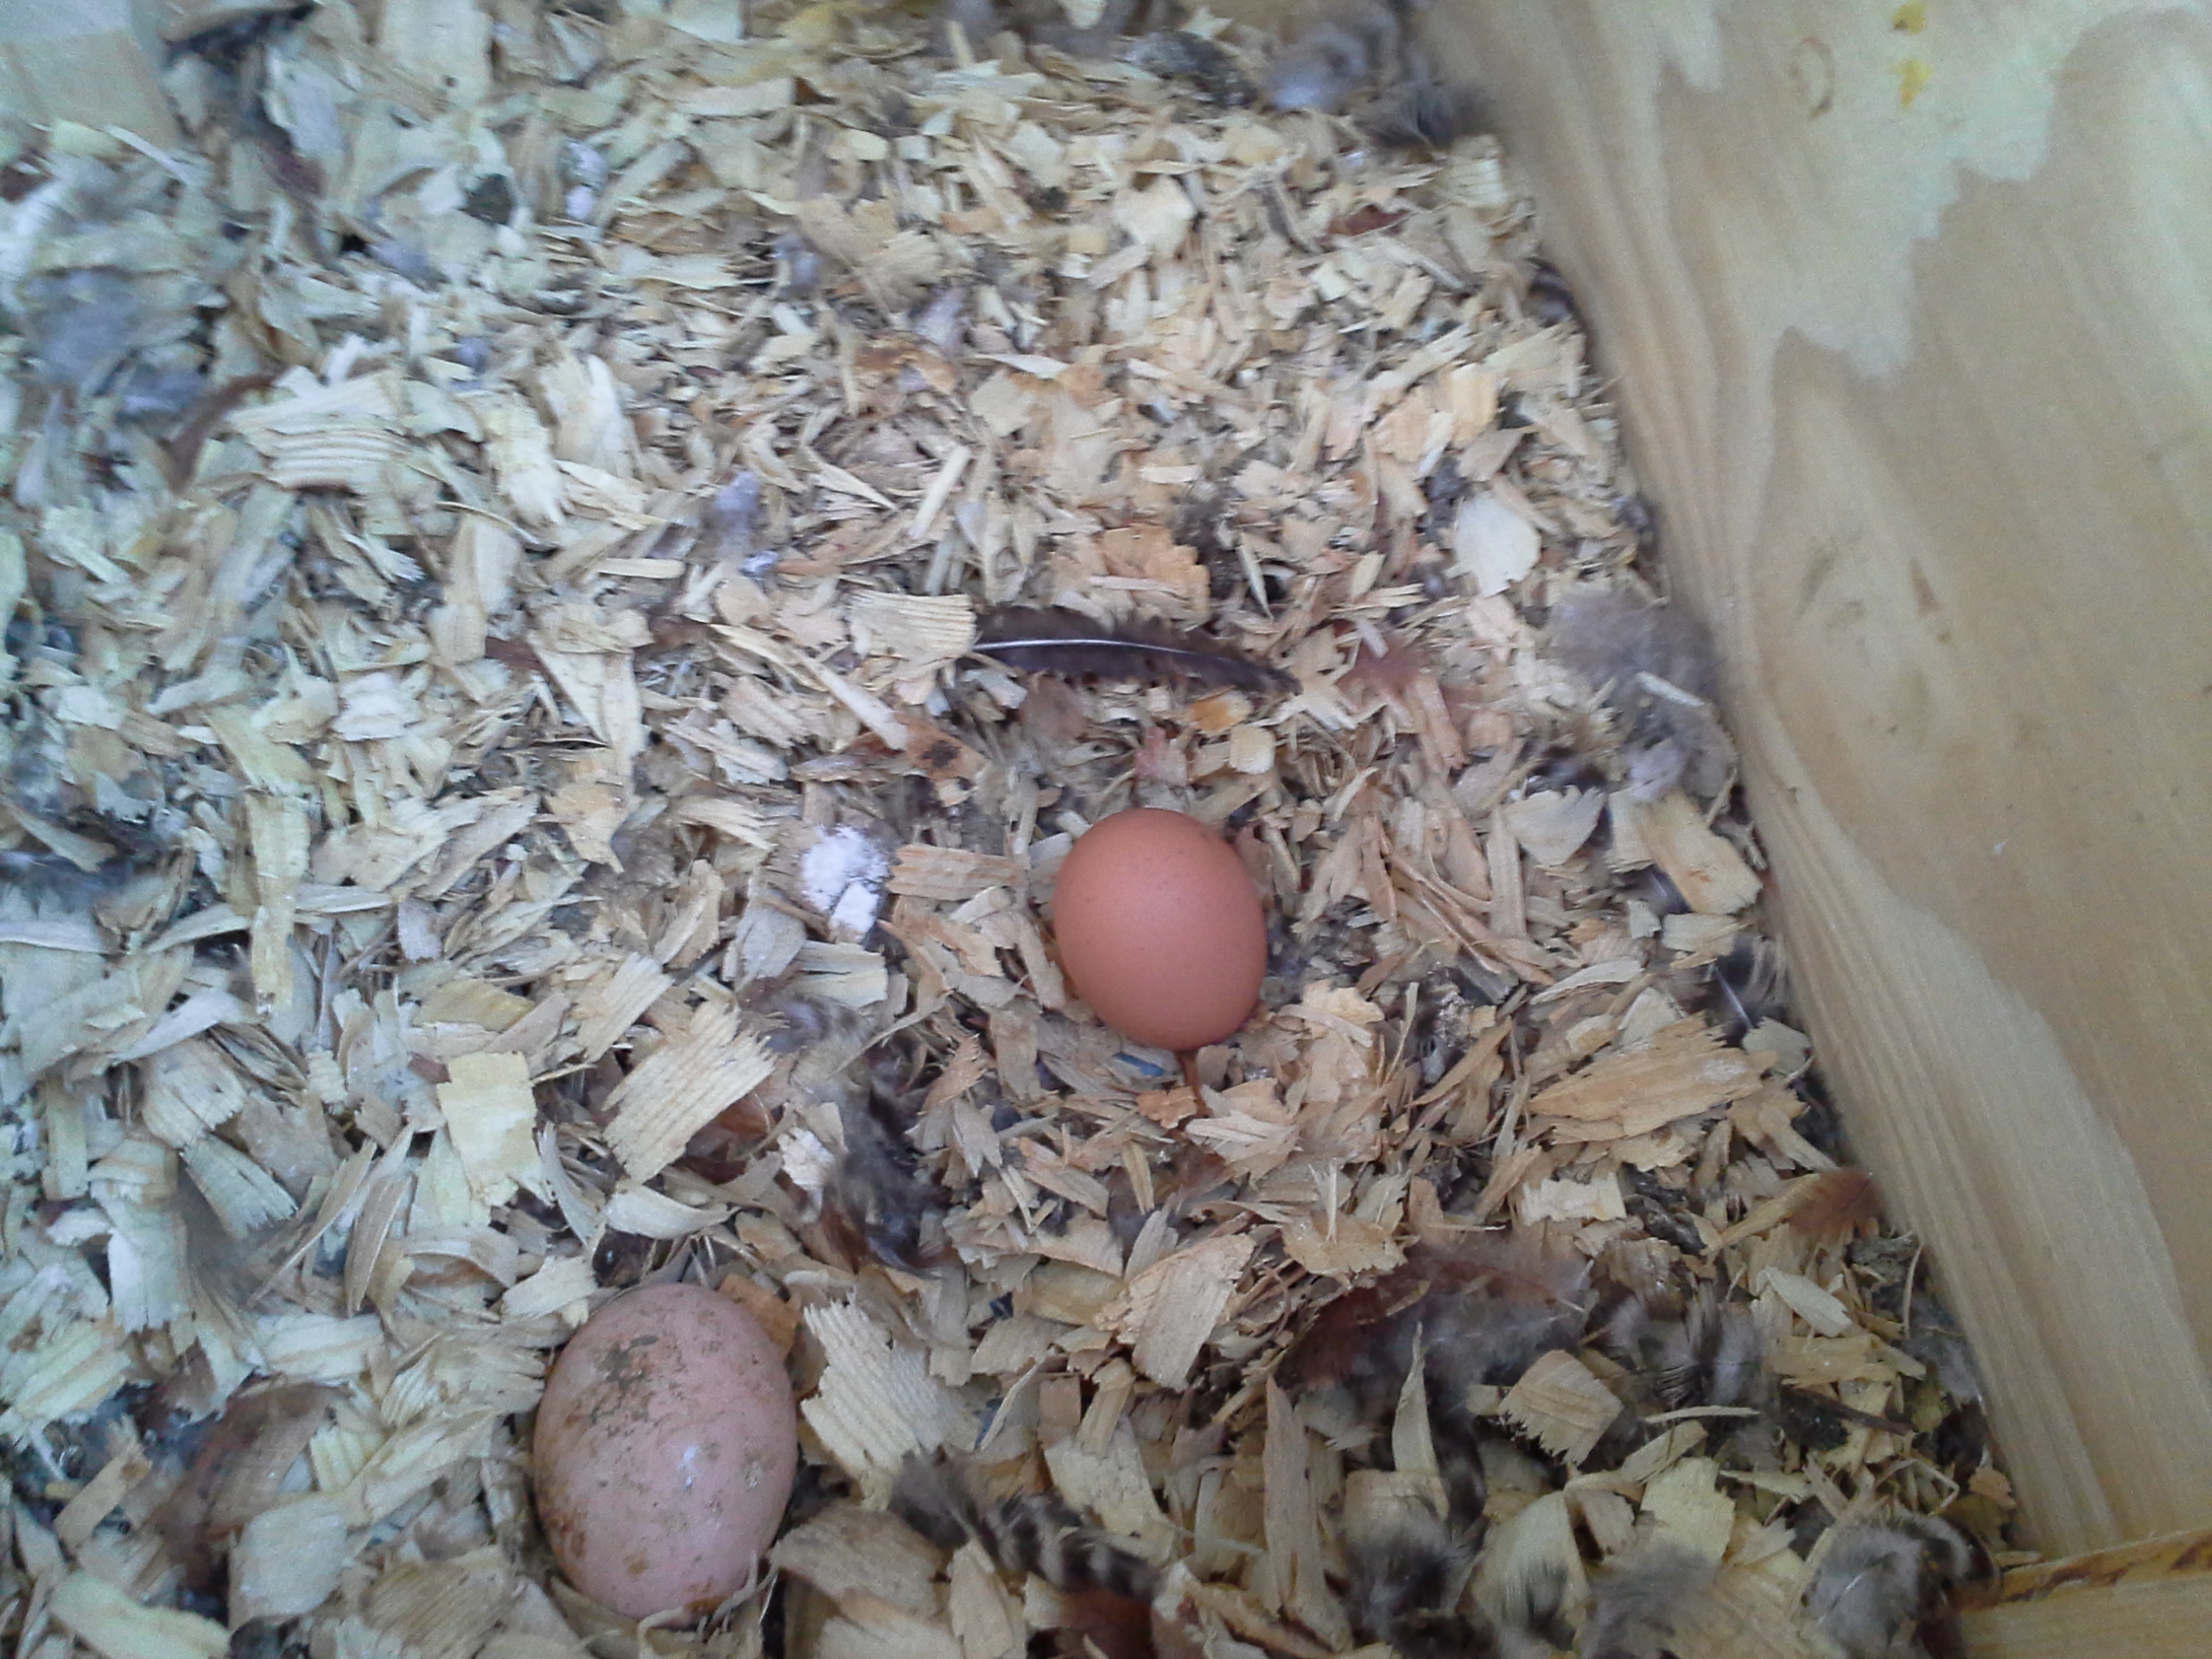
{"x":1922,"y":389}
{"x":2174,"y":1555}
{"x":2150,"y":1621}
{"x":2151,"y":1600}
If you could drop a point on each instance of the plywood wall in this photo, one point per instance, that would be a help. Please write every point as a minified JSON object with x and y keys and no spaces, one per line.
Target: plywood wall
{"x":1912,"y":310}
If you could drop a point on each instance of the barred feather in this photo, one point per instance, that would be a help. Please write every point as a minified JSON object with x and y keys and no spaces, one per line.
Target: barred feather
{"x":1038,"y":1532}
{"x":1709,"y":1356}
{"x":1031,"y":1533}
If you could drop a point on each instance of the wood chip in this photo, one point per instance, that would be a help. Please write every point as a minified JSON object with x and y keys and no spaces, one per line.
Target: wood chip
{"x":1294,"y":1531}
{"x":1561,"y":1402}
{"x":97,"y":1500}
{"x":108,"y":1621}
{"x":532,"y":588}
{"x":1689,"y":1510}
{"x":876,"y":1402}
{"x":682,"y":1086}
{"x":1342,"y":1245}
{"x":1706,"y":867}
{"x":492,"y":1117}
{"x":1678,"y":1073}
{"x":288,"y":1559}
{"x":1173,"y":1307}
{"x":1551,"y":827}
{"x":849,"y":1549}
{"x":949,"y":875}
{"x":985,"y":1618}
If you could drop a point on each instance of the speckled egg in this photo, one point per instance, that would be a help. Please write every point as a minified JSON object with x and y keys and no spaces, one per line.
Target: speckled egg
{"x":665,"y":1450}
{"x":1161,"y":928}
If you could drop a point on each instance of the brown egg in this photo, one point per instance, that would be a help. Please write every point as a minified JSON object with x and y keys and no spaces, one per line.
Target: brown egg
{"x":666,"y":1445}
{"x":1160,"y":930}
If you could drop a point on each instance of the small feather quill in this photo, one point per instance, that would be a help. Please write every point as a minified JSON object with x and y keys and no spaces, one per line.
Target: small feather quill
{"x":1064,"y":642}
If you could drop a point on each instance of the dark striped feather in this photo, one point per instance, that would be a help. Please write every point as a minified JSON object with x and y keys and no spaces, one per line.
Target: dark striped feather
{"x":1065,"y":642}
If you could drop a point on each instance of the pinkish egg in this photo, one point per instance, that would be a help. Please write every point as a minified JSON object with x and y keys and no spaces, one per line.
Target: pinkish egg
{"x":665,"y":1449}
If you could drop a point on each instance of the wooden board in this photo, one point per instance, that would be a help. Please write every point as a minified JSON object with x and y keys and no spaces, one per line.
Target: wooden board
{"x":2153,"y":1621}
{"x":1912,"y":335}
{"x":2151,"y":1600}
{"x":95,"y":61}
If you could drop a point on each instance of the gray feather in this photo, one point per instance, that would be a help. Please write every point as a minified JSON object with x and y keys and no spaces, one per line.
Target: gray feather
{"x":1877,"y":1584}
{"x":1636,"y":1605}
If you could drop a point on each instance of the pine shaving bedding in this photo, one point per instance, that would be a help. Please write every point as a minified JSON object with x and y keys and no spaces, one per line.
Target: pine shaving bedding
{"x":496,"y":538}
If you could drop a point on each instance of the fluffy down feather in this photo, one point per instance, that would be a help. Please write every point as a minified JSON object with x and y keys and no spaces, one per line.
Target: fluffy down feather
{"x":1373,"y":59}
{"x":1659,"y":671}
{"x":1879,"y":1585}
{"x":1636,"y":1605}
{"x":1408,"y":1567}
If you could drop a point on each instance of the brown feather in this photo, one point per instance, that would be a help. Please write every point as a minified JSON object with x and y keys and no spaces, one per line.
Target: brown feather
{"x":1392,"y":673}
{"x":1103,"y":1625}
{"x":236,"y":1474}
{"x":1839,"y":1200}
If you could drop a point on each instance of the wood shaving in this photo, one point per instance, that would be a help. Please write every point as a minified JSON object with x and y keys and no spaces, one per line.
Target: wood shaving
{"x":540,"y":475}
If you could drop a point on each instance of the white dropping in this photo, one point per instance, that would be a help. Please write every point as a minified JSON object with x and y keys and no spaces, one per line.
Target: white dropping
{"x":844,"y":874}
